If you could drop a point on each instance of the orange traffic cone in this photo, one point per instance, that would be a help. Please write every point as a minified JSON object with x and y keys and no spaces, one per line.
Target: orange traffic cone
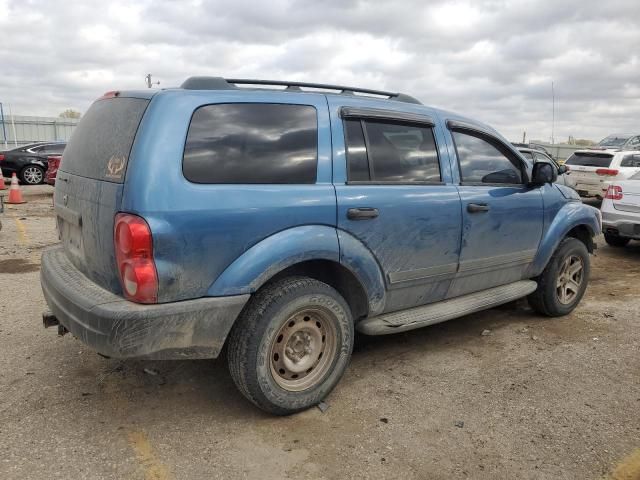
{"x":15,"y":195}
{"x":2,"y":185}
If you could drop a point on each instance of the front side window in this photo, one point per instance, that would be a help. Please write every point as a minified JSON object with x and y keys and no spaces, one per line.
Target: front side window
{"x":252,"y":143}
{"x":482,"y":162}
{"x":391,"y":152}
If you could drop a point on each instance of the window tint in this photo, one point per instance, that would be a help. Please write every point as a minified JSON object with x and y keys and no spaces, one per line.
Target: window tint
{"x":631,"y":161}
{"x":541,"y":157}
{"x":252,"y":143}
{"x":528,"y":155}
{"x":588,"y":159}
{"x":100,"y":145}
{"x":395,"y":152}
{"x":482,"y":162}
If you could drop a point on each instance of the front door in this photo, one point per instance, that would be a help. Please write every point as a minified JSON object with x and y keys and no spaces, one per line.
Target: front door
{"x":502,"y":216}
{"x":396,"y":202}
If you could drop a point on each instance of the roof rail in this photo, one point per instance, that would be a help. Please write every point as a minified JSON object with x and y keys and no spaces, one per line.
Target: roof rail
{"x":219,"y":83}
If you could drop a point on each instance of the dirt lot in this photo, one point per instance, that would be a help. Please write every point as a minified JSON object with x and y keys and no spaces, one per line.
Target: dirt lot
{"x":537,"y":398}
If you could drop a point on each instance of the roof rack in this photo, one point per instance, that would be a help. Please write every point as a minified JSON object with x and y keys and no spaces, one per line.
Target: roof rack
{"x":219,"y":83}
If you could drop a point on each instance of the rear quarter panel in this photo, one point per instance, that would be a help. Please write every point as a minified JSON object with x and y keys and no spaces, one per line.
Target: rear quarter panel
{"x":200,"y":229}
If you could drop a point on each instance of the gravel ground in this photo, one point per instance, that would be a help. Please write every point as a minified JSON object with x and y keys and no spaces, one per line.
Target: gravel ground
{"x":532,"y":398}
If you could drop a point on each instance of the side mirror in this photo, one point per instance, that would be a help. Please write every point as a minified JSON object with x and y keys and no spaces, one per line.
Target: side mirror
{"x":543,"y":173}
{"x":562,"y":169}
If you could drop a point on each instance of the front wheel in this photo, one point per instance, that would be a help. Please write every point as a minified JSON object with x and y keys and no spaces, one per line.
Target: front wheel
{"x":563,"y":282}
{"x":615,"y":240}
{"x":32,"y":175}
{"x":291,"y":345}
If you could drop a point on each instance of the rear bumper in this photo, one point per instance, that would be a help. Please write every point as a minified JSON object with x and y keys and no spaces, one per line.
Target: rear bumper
{"x":592,"y":190}
{"x":622,"y":224}
{"x":121,"y":329}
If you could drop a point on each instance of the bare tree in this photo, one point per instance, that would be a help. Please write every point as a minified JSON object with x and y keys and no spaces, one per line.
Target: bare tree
{"x":70,"y":113}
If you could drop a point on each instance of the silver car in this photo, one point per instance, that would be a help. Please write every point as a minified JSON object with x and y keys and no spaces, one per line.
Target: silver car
{"x":621,"y":212}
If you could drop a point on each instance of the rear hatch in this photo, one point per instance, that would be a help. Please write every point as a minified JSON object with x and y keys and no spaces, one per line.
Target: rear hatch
{"x":630,"y":201}
{"x":584,"y":166}
{"x":89,"y":185}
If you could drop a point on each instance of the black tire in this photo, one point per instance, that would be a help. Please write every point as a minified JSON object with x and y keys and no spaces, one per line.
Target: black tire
{"x":546,"y":300}
{"x":616,"y":240}
{"x":32,"y":175}
{"x":258,"y":333}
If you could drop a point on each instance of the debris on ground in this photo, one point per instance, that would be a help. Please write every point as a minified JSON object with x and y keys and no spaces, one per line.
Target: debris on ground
{"x":486,"y":332}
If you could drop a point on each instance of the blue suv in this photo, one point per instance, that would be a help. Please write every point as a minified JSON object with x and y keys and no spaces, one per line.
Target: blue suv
{"x":277,"y":218}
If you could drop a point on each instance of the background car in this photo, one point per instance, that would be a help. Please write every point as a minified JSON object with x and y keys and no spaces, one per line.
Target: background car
{"x":30,"y":161}
{"x":536,"y":155}
{"x":53,"y":162}
{"x":593,"y":171}
{"x":621,"y":212}
{"x":621,"y":141}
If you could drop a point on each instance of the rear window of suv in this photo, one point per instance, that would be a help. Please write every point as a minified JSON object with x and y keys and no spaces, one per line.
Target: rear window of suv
{"x":587,"y":159}
{"x":252,"y":143}
{"x":100,"y":145}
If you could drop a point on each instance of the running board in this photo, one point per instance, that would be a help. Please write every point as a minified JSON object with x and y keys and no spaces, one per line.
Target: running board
{"x":445,"y":310}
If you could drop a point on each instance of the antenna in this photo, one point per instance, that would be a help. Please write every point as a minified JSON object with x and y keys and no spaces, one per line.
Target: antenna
{"x":147,"y":79}
{"x":553,"y":113}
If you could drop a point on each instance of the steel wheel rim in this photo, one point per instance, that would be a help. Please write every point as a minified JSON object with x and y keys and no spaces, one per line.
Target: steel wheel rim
{"x":33,"y":175}
{"x":570,"y":277}
{"x":302,"y":351}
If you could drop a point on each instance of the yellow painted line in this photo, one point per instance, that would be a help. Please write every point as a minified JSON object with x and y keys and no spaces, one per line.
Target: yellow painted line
{"x":628,"y":469}
{"x":22,"y":231}
{"x":153,"y":468}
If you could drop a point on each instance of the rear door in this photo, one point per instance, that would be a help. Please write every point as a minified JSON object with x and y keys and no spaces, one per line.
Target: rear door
{"x":89,"y":185}
{"x":584,"y":167}
{"x":502,"y":217}
{"x":396,"y":198}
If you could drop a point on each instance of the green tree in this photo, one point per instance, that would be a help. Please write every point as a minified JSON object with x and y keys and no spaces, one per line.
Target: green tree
{"x":70,"y":113}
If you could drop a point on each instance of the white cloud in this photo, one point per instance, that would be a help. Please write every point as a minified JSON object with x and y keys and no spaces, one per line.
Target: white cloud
{"x":490,"y":59}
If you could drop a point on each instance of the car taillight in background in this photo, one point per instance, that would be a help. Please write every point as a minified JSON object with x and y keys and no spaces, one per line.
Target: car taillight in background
{"x":614,"y":192}
{"x":53,"y":163}
{"x":1,"y":157}
{"x":607,"y":172}
{"x":134,"y":255}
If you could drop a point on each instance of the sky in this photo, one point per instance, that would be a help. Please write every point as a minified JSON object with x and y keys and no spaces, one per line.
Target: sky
{"x":492,"y":60}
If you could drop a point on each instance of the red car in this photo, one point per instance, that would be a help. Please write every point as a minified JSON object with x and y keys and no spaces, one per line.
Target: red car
{"x":52,"y":170}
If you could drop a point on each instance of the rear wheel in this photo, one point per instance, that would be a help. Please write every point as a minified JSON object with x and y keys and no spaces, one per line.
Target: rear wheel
{"x":616,"y":240}
{"x":291,"y":345}
{"x":32,"y":175}
{"x":563,"y":282}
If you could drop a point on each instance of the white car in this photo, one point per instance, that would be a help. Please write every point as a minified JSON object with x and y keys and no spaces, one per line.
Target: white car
{"x":594,"y":170}
{"x":621,"y":212}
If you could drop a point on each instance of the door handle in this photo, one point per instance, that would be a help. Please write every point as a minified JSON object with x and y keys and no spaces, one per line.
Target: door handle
{"x":362,"y":213}
{"x":477,"y":207}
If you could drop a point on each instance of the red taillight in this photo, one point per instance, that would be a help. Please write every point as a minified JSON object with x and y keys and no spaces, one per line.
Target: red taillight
{"x":134,"y":256}
{"x":614,"y":192}
{"x":607,"y":172}
{"x":53,"y":160}
{"x":1,"y":158}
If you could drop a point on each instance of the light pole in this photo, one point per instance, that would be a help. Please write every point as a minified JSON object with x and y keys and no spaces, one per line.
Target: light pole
{"x":4,"y":130}
{"x":553,"y":114}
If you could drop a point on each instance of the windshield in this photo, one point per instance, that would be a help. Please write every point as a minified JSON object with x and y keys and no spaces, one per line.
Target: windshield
{"x":614,"y":140}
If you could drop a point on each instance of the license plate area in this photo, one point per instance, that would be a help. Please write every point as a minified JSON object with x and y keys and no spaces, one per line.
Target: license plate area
{"x":71,"y":237}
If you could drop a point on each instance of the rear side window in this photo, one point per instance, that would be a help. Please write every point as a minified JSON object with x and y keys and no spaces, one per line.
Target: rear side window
{"x":632,"y":160}
{"x":252,"y":143}
{"x":588,"y":159}
{"x":391,"y":152}
{"x":100,"y":145}
{"x":482,"y":162}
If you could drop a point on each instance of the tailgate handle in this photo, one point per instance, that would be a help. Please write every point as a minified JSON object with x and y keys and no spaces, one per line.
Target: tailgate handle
{"x":363,"y":213}
{"x":477,"y":207}
{"x":69,"y":215}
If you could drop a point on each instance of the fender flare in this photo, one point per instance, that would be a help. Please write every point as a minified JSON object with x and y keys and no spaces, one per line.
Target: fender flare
{"x":296,"y":245}
{"x":570,"y":216}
